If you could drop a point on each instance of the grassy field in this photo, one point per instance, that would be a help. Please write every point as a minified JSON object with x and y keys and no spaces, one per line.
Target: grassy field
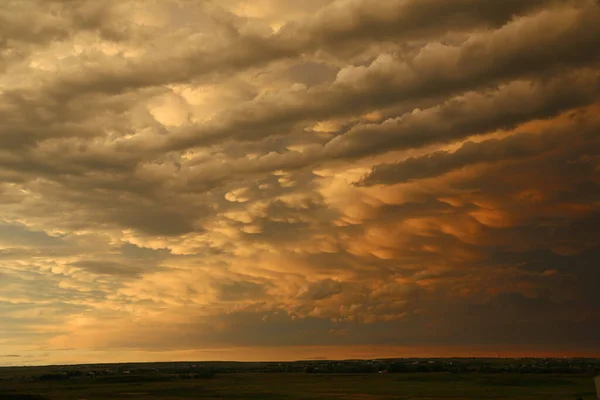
{"x":316,"y":386}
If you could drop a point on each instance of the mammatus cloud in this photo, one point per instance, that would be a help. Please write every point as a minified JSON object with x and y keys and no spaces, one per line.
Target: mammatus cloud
{"x":327,"y":176}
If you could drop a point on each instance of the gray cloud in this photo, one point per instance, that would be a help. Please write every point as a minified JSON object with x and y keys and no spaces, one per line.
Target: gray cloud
{"x":108,"y":268}
{"x":455,"y":119}
{"x":241,"y":290}
{"x":475,"y":112}
{"x":29,"y":25}
{"x":397,"y":19}
{"x":173,"y":174}
{"x":487,"y":58}
{"x":489,"y":151}
{"x":16,"y":234}
{"x":321,"y":290}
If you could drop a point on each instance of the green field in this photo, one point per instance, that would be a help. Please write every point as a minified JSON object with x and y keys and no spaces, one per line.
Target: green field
{"x":319,"y":386}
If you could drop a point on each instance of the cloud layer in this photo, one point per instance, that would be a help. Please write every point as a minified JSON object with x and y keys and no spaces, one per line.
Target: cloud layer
{"x":336,"y":175}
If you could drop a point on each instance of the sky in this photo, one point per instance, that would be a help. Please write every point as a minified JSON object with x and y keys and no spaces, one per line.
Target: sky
{"x":281,"y":180}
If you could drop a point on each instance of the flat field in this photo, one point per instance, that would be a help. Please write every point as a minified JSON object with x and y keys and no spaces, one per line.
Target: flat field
{"x":421,"y":386}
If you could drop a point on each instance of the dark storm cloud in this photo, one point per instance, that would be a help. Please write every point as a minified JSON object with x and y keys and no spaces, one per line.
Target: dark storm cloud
{"x":29,"y":25}
{"x":17,"y":25}
{"x":239,"y":291}
{"x":108,"y":268}
{"x":397,"y":19}
{"x":489,"y":151}
{"x":321,"y":290}
{"x":311,"y":73}
{"x":402,"y":19}
{"x":472,"y":113}
{"x":173,"y":174}
{"x":455,"y":119}
{"x":535,"y":45}
{"x":19,"y":235}
{"x":267,"y":118}
{"x":47,"y":21}
{"x":158,"y":221}
{"x":139,"y":253}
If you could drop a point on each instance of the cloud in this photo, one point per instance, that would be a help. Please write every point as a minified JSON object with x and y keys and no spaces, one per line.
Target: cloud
{"x":397,"y":19}
{"x":19,"y":235}
{"x":107,"y":268}
{"x":490,"y":57}
{"x":323,"y":176}
{"x":514,"y":147}
{"x":237,"y":291}
{"x":321,"y":290}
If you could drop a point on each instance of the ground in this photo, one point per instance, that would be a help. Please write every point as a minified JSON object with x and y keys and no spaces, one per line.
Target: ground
{"x":428,"y":386}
